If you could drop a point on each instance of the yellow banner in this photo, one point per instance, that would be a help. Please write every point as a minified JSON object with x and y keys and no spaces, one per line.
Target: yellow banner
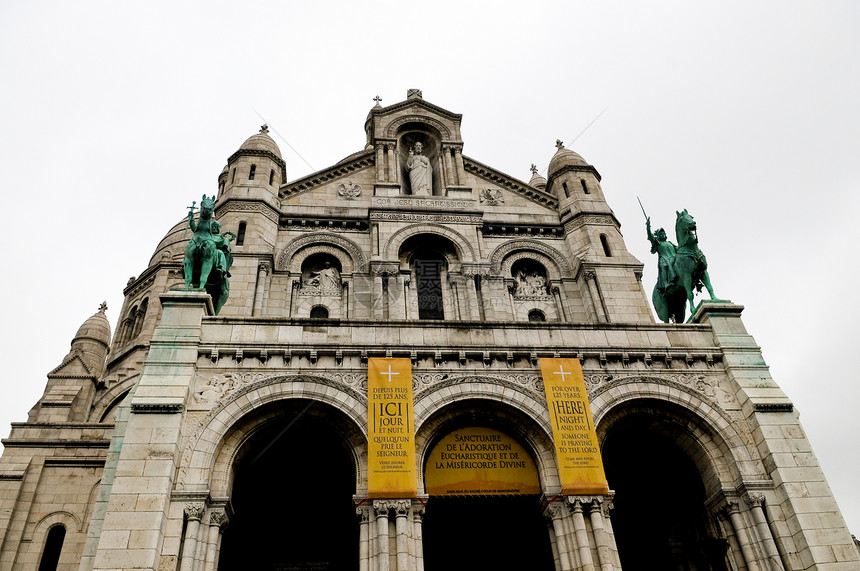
{"x":391,"y":469}
{"x":479,"y":460}
{"x":579,"y":463}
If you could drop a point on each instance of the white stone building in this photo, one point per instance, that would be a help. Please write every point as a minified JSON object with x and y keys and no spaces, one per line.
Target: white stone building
{"x":192,"y":441}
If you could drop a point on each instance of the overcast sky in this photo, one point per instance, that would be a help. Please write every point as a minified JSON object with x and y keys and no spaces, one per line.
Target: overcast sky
{"x":114,"y":116}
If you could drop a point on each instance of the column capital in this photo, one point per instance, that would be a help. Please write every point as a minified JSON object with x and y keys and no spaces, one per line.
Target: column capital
{"x":754,"y":499}
{"x":218,"y":516}
{"x":401,"y":507}
{"x":264,"y":267}
{"x":362,"y":513}
{"x":553,"y":511}
{"x":194,"y":511}
{"x":589,"y":275}
{"x":381,"y":507}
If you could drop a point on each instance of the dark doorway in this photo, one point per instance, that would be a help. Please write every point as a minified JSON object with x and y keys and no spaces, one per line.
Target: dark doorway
{"x":292,"y":498}
{"x":474,"y":533}
{"x":659,"y":517}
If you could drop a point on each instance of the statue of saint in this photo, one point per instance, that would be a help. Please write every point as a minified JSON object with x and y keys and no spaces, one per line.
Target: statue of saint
{"x":327,"y":278}
{"x":665,"y":251}
{"x":420,"y":171}
{"x":223,"y":253}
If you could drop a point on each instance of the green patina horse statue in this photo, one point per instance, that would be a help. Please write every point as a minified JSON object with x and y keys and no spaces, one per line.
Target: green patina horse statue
{"x":680,"y":271}
{"x":207,"y":255}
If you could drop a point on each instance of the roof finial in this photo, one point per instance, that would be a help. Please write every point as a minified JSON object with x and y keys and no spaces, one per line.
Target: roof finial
{"x":378,"y":99}
{"x":103,"y":307}
{"x":264,"y":129}
{"x":533,"y":169}
{"x":558,"y":144}
{"x":414,"y":94}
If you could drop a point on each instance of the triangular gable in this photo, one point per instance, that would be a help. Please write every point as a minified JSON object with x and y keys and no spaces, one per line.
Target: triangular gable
{"x":351,"y":165}
{"x":510,"y":183}
{"x":72,"y":367}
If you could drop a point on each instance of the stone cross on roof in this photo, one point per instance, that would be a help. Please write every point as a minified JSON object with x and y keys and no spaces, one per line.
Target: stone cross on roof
{"x":103,"y":307}
{"x":264,"y":129}
{"x":377,"y":99}
{"x":558,"y":144}
{"x":533,"y":169}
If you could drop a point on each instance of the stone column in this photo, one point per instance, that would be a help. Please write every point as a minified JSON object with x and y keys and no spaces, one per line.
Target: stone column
{"x":582,"y":543}
{"x":401,"y":511}
{"x":363,"y":514}
{"x":377,"y":303}
{"x":418,"y":533}
{"x":293,"y":285}
{"x":381,"y":509}
{"x":458,"y":157}
{"x":392,"y":164}
{"x":474,"y":312}
{"x":555,"y":514}
{"x":606,"y":505}
{"x":396,"y":302}
{"x":597,"y":304}
{"x":345,"y":307}
{"x":446,"y":162}
{"x":380,"y":163}
{"x":263,"y":269}
{"x":559,"y":303}
{"x":754,"y":501}
{"x":734,"y":512}
{"x":194,"y":513}
{"x":604,"y":553}
{"x":217,"y":522}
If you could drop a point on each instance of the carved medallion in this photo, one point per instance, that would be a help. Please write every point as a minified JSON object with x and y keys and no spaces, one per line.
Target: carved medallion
{"x":349,"y":190}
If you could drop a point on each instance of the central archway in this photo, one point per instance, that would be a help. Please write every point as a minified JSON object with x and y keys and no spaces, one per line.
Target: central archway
{"x":292,"y":495}
{"x":659,"y":518}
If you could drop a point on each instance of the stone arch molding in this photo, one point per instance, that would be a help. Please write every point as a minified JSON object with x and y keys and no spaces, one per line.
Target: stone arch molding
{"x":206,"y":460}
{"x":441,"y":128}
{"x":346,"y":251}
{"x":431,"y":415}
{"x":505,"y":255}
{"x":464,"y":248}
{"x":70,"y":521}
{"x":713,"y":429}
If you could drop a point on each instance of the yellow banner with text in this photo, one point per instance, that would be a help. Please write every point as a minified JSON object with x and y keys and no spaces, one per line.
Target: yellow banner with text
{"x":479,"y":461}
{"x":390,"y":429}
{"x":579,"y":463}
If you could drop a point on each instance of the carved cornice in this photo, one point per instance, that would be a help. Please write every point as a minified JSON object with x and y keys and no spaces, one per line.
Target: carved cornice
{"x":379,"y":216}
{"x":500,"y":179}
{"x":156,"y":407}
{"x":581,"y":220}
{"x":571,"y":168}
{"x":358,"y":163}
{"x":233,"y":205}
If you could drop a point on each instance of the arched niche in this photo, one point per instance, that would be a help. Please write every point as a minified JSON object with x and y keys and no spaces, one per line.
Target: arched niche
{"x":430,"y":140}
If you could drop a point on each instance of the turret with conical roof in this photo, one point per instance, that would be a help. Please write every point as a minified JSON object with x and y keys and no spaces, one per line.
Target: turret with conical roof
{"x":72,"y":385}
{"x":594,"y":236}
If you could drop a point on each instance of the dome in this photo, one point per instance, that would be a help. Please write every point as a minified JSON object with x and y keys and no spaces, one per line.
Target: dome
{"x":172,"y":246}
{"x":537,"y":180}
{"x":261,"y":142}
{"x":564,"y":157}
{"x":95,"y":328}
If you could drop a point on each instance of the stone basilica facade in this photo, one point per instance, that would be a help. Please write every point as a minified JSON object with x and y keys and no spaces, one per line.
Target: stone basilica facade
{"x":192,"y":441}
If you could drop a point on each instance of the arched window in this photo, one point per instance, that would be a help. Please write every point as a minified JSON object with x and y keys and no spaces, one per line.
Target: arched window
{"x":220,"y":187}
{"x":566,"y":191}
{"x":584,"y":186}
{"x":233,"y":177}
{"x":428,"y":281}
{"x":240,"y":237}
{"x":319,"y":312}
{"x":605,"y":244}
{"x":53,"y":547}
{"x":253,"y":172}
{"x":138,"y":318}
{"x":536,"y":315}
{"x":271,"y":176}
